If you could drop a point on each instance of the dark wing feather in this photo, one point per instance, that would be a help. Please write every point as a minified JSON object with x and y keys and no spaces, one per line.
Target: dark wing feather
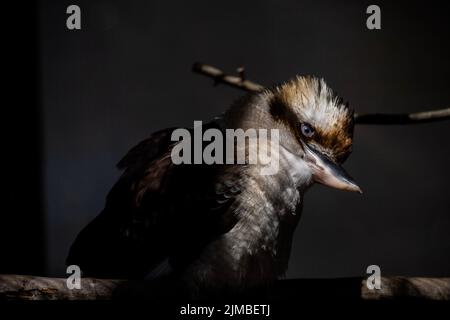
{"x":107,"y":247}
{"x":156,"y":211}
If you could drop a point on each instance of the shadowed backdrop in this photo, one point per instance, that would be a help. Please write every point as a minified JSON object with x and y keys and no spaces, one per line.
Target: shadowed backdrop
{"x":126,"y":73}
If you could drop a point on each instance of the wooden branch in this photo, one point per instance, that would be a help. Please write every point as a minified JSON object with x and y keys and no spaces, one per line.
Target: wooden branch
{"x":413,"y":287}
{"x":220,"y":77}
{"x":411,"y":118}
{"x":377,"y":118}
{"x":18,"y":287}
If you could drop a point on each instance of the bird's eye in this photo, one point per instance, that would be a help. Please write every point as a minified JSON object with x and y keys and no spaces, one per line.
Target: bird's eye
{"x":307,"y":130}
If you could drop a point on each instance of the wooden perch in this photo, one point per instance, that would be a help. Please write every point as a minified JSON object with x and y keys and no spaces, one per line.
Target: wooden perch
{"x":18,"y":287}
{"x":409,"y":287}
{"x":240,"y":82}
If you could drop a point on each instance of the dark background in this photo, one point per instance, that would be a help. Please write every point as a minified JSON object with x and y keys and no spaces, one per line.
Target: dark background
{"x":126,"y":73}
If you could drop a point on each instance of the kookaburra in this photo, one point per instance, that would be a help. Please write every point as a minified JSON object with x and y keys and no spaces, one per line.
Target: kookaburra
{"x":221,"y":226}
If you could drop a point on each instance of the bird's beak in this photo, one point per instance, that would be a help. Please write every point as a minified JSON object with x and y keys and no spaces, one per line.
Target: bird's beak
{"x":328,"y":172}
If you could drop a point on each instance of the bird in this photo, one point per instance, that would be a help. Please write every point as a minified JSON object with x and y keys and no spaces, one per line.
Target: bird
{"x":221,"y":227}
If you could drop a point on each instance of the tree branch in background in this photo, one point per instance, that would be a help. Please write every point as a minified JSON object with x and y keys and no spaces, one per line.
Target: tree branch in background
{"x":403,"y":118}
{"x":219,"y":76}
{"x":239,"y":81}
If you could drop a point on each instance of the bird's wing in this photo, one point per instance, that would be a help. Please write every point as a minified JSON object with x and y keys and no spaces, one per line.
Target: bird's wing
{"x":105,"y":247}
{"x":156,"y":210}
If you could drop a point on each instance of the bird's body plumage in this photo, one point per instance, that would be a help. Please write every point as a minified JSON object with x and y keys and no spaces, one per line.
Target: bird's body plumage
{"x":221,"y":225}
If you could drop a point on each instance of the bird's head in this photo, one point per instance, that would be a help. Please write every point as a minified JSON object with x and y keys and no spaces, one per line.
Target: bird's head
{"x":318,"y":128}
